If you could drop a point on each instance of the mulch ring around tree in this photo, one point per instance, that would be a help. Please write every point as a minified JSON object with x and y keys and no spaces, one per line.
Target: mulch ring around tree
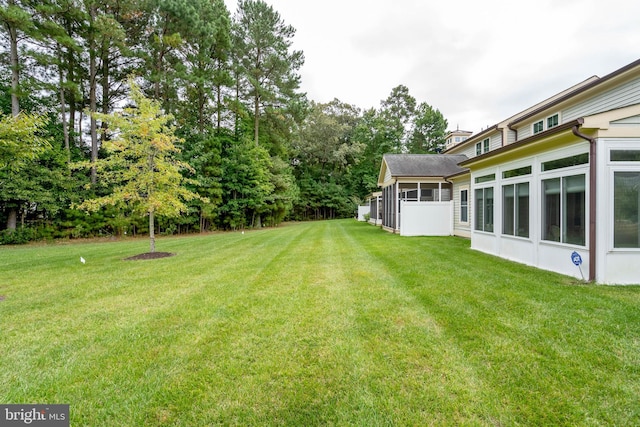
{"x":149,"y":255}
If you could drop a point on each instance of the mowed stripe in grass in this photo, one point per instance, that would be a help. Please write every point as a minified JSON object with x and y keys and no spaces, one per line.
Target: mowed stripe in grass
{"x":313,"y":323}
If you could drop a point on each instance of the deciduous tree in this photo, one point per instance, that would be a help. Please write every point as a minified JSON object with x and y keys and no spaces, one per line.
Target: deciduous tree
{"x":142,"y":163}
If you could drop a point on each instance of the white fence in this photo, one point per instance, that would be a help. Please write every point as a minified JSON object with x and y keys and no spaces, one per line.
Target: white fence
{"x":362,"y":211}
{"x":426,"y":218}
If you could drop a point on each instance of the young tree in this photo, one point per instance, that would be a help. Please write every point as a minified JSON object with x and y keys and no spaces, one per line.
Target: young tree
{"x":142,"y":163}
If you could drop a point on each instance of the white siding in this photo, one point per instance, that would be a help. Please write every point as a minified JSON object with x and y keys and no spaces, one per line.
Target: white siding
{"x":426,"y":218}
{"x":460,"y":228}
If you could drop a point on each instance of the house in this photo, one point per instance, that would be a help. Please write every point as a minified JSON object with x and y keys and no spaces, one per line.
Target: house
{"x":455,"y":137}
{"x":414,"y":188}
{"x":556,"y":186}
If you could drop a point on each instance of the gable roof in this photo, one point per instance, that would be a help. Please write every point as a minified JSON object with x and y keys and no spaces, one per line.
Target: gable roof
{"x":421,"y":165}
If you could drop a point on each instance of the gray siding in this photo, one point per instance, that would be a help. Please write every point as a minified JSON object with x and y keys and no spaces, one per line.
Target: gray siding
{"x":496,"y":141}
{"x":525,"y":131}
{"x":617,"y":97}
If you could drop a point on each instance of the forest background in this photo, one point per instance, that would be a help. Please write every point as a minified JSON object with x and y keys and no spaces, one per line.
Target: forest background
{"x":253,"y":150}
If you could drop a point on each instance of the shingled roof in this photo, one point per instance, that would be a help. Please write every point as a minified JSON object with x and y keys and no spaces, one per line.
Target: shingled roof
{"x":424,"y":165}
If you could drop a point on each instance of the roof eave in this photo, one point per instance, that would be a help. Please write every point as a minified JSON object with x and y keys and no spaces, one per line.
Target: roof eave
{"x":578,"y":91}
{"x":542,"y":135}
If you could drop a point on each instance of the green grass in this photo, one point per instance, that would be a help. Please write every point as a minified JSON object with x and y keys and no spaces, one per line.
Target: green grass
{"x":326,"y":323}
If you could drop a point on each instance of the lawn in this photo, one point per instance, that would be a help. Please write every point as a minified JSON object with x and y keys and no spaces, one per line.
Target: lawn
{"x":324,"y":323}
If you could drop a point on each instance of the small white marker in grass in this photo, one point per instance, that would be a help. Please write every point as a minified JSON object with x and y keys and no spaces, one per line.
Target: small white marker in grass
{"x":82,"y":260}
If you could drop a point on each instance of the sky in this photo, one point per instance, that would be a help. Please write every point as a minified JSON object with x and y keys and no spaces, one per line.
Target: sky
{"x":478,"y":62}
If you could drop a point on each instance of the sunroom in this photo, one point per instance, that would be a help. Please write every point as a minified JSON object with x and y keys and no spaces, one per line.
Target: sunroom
{"x":416,"y":197}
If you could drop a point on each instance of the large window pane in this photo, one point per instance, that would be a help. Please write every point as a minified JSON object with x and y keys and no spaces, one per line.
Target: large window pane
{"x":551,"y":210}
{"x":522,"y":210}
{"x":488,"y":209}
{"x":574,"y":210}
{"x":484,"y":209}
{"x":479,"y":209}
{"x":515,"y":209}
{"x":626,"y":205}
{"x":563,"y":210}
{"x":508,"y":209}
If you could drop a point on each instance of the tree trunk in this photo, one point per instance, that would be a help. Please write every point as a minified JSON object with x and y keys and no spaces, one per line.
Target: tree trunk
{"x":92,"y":100}
{"x":72,"y":93}
{"x":256,"y":119}
{"x":63,"y":111}
{"x":12,"y":219}
{"x":15,"y":73}
{"x":105,"y":90}
{"x":152,"y":233}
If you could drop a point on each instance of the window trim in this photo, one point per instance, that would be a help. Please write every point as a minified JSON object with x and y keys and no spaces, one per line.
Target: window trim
{"x":544,"y":124}
{"x":476,"y":210}
{"x":537,"y":127}
{"x":612,"y":212}
{"x":467,"y":205}
{"x":515,"y":184}
{"x":561,"y":175}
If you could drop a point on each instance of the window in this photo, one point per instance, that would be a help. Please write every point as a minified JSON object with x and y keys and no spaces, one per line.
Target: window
{"x":485,"y":145}
{"x":517,"y":172}
{"x":464,"y":205}
{"x":626,"y":207}
{"x":515,"y":209}
{"x":484,"y":209}
{"x":625,"y":155}
{"x":538,"y":127}
{"x":485,"y":178}
{"x":478,"y":148}
{"x":563,"y":210}
{"x":457,"y":139}
{"x":542,"y":125}
{"x":566,"y":162}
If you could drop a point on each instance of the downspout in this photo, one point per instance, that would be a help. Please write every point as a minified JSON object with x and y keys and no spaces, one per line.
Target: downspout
{"x":592,"y":197}
{"x":396,"y":205}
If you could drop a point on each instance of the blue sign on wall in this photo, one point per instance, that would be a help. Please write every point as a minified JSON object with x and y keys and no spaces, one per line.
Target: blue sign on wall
{"x":576,"y":258}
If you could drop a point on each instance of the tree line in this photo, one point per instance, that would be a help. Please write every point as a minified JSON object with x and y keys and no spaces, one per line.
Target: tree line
{"x":253,"y":149}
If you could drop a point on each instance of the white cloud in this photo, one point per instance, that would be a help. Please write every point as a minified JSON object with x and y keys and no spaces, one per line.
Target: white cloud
{"x":477,"y":62}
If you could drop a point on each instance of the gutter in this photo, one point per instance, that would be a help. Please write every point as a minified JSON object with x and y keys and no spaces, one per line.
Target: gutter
{"x":592,"y":199}
{"x":523,"y":142}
